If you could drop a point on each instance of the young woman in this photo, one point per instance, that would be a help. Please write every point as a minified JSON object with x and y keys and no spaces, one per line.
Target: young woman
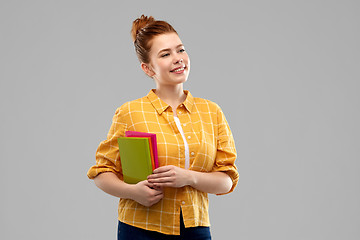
{"x":196,"y":149}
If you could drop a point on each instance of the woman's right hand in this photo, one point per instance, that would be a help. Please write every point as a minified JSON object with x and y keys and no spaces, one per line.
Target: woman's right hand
{"x":145,"y":194}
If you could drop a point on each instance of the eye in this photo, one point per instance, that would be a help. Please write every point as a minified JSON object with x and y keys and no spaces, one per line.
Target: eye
{"x":165,"y":55}
{"x":182,"y":50}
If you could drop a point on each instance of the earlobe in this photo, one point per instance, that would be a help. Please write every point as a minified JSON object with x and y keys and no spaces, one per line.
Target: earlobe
{"x":147,"y":70}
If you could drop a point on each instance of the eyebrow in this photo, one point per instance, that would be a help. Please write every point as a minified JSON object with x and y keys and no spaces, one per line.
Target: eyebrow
{"x":168,"y":49}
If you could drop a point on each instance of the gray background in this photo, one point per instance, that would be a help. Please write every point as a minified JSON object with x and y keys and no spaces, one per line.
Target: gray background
{"x":286,"y":74}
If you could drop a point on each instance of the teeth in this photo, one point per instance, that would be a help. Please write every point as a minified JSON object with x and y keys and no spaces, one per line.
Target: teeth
{"x":179,"y":69}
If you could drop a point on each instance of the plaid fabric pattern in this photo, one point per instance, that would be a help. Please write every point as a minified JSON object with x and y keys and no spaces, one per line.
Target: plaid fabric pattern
{"x":211,"y":147}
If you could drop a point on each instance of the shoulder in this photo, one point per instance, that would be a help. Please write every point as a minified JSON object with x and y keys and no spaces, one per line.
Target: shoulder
{"x":123,"y":113}
{"x":130,"y":106}
{"x":202,"y":103}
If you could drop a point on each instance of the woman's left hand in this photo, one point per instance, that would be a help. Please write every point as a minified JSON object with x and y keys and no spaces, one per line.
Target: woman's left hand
{"x":170,"y":176}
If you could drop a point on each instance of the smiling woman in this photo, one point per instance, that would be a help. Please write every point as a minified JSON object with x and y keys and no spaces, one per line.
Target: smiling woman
{"x":196,"y":150}
{"x":169,"y":63}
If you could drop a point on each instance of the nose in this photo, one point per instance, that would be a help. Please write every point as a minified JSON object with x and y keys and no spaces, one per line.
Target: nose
{"x":179,"y":60}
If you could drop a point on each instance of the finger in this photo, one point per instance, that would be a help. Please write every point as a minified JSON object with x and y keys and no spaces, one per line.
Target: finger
{"x":160,"y":175}
{"x":165,"y":172}
{"x":157,"y":198}
{"x":148,"y":184}
{"x":158,"y":193}
{"x":153,"y":187}
{"x":163,"y":169}
{"x":161,"y":180}
{"x":165,"y":184}
{"x":157,"y":188}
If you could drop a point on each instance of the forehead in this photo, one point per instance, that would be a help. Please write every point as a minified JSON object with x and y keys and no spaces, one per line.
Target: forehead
{"x":164,"y":41}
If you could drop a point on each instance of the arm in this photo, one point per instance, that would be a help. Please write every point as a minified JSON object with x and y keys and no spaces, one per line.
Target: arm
{"x":209,"y":182}
{"x":142,"y":192}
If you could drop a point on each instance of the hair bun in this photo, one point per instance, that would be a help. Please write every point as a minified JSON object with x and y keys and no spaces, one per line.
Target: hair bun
{"x":140,"y":23}
{"x":143,"y":30}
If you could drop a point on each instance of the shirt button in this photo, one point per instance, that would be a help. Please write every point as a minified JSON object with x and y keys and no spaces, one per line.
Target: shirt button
{"x":179,"y":112}
{"x":183,"y":202}
{"x":184,"y":124}
{"x":189,"y":137}
{"x":192,"y":153}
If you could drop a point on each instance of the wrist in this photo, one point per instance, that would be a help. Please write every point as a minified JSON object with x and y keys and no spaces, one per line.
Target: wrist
{"x":191,"y":176}
{"x":129,"y":191}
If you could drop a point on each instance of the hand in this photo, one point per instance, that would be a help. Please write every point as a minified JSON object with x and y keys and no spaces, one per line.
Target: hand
{"x":147,"y":194}
{"x":170,"y":176}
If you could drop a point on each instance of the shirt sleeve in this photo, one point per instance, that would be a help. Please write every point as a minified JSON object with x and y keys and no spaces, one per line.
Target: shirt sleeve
{"x":107,"y":154}
{"x":226,"y":152}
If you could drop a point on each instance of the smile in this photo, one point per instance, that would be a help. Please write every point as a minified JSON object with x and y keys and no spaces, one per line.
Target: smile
{"x":177,"y":70}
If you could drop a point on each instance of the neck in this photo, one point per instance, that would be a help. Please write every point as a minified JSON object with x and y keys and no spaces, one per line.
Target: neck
{"x":172,"y":95}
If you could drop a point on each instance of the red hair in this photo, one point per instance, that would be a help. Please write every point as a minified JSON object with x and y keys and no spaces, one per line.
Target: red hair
{"x":143,"y":30}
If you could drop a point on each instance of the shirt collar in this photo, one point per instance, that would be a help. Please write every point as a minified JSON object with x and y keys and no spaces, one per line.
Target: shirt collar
{"x":161,"y":106}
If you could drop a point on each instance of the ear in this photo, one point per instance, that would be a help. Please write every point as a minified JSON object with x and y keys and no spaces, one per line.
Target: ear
{"x":147,"y":69}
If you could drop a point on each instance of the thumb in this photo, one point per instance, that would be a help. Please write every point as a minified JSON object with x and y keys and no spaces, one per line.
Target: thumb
{"x":147,"y":184}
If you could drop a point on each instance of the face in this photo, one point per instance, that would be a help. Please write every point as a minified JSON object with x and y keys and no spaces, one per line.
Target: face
{"x":169,"y":63}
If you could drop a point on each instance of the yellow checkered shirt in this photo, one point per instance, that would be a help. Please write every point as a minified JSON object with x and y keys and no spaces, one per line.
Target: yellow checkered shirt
{"x":211,"y":147}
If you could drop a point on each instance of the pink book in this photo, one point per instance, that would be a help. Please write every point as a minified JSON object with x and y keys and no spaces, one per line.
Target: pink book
{"x":153,"y":142}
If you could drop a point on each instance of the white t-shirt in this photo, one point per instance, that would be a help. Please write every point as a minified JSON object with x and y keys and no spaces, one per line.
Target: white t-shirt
{"x":187,"y":157}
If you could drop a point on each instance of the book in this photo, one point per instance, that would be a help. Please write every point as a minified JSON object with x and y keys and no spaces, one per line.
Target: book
{"x":153,"y":143}
{"x":151,"y":154}
{"x":135,"y":157}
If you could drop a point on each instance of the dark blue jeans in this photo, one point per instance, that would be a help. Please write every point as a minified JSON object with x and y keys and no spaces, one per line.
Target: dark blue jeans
{"x":127,"y":232}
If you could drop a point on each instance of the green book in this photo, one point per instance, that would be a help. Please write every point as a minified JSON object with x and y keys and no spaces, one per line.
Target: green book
{"x":135,"y":157}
